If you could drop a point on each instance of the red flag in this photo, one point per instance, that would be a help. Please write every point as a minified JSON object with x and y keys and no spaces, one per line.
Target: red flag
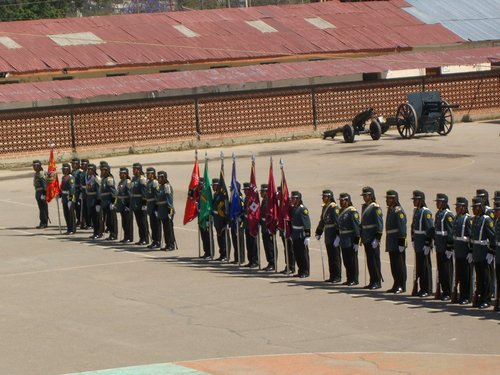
{"x":52,"y":180}
{"x":253,"y":205}
{"x":190,"y":212}
{"x":272,"y":203}
{"x":284,"y":221}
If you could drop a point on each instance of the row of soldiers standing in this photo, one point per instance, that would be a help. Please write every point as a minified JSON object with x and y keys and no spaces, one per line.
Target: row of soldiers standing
{"x":465,"y":244}
{"x":91,"y":201}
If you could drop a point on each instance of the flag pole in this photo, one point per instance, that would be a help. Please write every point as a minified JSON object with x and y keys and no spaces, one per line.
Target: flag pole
{"x":199,"y":232}
{"x":258,"y":225}
{"x":226,"y":231}
{"x":238,"y":247}
{"x":282,"y":164}
{"x":58,"y":214}
{"x":210,"y":221}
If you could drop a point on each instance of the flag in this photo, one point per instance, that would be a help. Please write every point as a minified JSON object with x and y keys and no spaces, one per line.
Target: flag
{"x":52,"y":179}
{"x":205,"y":200}
{"x":253,"y":204}
{"x":272,"y":203}
{"x":235,"y":209}
{"x":192,"y":198}
{"x":223,"y":189}
{"x":284,"y":222}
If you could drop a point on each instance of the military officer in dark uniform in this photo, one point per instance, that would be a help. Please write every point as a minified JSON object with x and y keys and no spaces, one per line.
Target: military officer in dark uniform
{"x":86,"y":222}
{"x":40,"y":184}
{"x":483,"y":250}
{"x":92,"y":188}
{"x":165,"y":209}
{"x":68,"y":198}
{"x":204,"y":225}
{"x":267,"y":237}
{"x":108,"y":195}
{"x":422,"y":232}
{"x":138,"y":202}
{"x":372,"y":227}
{"x":287,"y":242}
{"x":497,"y":251}
{"x":154,"y":222}
{"x":250,"y":241}
{"x":443,"y":239}
{"x":463,"y":250}
{"x":484,"y":195}
{"x":237,"y":228}
{"x":301,"y":234}
{"x":76,"y":171}
{"x":349,"y":233}
{"x":395,"y":241}
{"x":329,"y":226}
{"x":220,"y":212}
{"x":123,"y":206}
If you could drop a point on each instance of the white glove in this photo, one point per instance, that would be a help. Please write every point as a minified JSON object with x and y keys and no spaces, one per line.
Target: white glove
{"x":97,"y":208}
{"x":448,"y":253}
{"x":156,"y":213}
{"x":111,"y":206}
{"x":375,"y":243}
{"x":307,"y":241}
{"x":401,"y":249}
{"x":80,"y":196}
{"x":144,"y":208}
{"x":336,"y":241}
{"x":69,"y":205}
{"x":42,"y":196}
{"x":318,"y":237}
{"x":427,"y":250}
{"x":356,"y":247}
{"x":469,"y":258}
{"x":489,"y":258}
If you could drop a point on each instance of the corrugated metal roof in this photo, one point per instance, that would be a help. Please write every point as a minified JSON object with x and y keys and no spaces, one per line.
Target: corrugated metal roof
{"x":277,"y":75}
{"x":471,"y":20}
{"x":143,"y":39}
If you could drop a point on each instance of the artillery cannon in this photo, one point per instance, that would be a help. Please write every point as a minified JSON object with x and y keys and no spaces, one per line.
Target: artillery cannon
{"x":376,"y":127}
{"x":425,"y":112}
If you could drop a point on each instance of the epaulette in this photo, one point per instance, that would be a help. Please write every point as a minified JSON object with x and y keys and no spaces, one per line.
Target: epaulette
{"x":110,"y":181}
{"x":142,"y":180}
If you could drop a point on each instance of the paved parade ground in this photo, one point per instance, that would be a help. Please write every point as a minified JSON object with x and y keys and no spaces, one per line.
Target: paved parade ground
{"x":71,"y":304}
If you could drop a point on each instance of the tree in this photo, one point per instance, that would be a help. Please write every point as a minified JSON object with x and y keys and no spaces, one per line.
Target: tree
{"x":13,"y":10}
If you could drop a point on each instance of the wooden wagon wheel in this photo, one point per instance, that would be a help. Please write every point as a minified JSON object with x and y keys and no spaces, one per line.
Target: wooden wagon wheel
{"x":447,"y":119}
{"x":407,"y":120}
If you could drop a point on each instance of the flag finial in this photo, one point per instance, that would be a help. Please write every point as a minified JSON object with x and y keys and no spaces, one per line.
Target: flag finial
{"x":282,"y":163}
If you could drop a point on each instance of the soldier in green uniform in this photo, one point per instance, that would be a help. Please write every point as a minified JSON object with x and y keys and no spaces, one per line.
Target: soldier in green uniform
{"x":483,"y":194}
{"x":329,"y":226}
{"x":443,"y":239}
{"x":483,"y":250}
{"x":497,"y":250}
{"x":92,"y":187}
{"x":204,"y":224}
{"x":267,"y":237}
{"x":301,"y":234}
{"x":76,"y":171}
{"x":349,"y":233}
{"x":107,"y":195}
{"x":86,"y":221}
{"x":40,"y":184}
{"x":250,"y":241}
{"x":395,"y":241}
{"x":138,"y":202}
{"x":68,"y":198}
{"x":463,"y":250}
{"x":123,"y":206}
{"x":165,"y":209}
{"x":422,"y":232}
{"x":287,"y":242}
{"x":372,"y":227}
{"x":220,"y":210}
{"x":154,"y":222}
{"x":237,"y":228}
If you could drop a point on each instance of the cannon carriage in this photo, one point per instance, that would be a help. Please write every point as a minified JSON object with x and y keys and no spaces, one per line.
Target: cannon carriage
{"x":425,"y":112}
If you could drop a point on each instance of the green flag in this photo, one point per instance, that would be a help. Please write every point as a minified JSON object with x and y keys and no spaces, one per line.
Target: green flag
{"x":205,"y":199}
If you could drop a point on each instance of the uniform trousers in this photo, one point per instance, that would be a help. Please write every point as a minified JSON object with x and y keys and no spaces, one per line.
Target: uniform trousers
{"x":251,"y":243}
{"x":154,"y":224}
{"x":205,"y":240}
{"x":445,"y":272}
{"x":268,"y":242}
{"x":483,"y":285}
{"x":238,"y":238}
{"x":111,"y":221}
{"x":424,"y":271}
{"x":464,"y":273}
{"x":301,"y":252}
{"x":142,"y":224}
{"x":373,"y":263}
{"x":43,"y":208}
{"x":351,"y":264}
{"x":290,"y":256}
{"x":223,"y":241}
{"x":168,"y":232}
{"x":398,"y":269}
{"x":95,"y":218}
{"x":69,"y":216}
{"x":127,"y":225}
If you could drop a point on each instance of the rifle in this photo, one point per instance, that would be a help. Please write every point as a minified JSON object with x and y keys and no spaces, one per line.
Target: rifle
{"x":475,"y":298}
{"x":414,"y":291}
{"x":437,"y":295}
{"x":454,"y":294}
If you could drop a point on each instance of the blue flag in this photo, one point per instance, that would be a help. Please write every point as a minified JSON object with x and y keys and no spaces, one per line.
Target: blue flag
{"x":236,"y":207}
